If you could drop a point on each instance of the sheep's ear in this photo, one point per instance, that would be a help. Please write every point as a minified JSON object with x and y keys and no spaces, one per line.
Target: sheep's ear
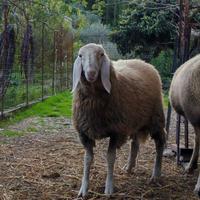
{"x":77,"y":70}
{"x":105,"y":74}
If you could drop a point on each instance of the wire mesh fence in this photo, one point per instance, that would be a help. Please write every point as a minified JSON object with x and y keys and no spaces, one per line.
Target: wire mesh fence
{"x":36,"y":59}
{"x":40,"y":67}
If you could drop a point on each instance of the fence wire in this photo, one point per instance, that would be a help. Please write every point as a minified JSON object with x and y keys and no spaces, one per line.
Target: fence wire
{"x":38,"y":71}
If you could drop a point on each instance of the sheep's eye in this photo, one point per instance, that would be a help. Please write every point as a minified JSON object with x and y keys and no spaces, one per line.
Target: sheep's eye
{"x":80,"y":55}
{"x":102,"y":54}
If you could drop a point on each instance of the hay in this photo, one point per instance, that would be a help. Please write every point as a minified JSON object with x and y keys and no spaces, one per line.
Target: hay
{"x":49,"y":164}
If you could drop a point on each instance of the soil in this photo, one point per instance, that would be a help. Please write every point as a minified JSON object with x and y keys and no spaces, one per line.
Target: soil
{"x":47,"y":163}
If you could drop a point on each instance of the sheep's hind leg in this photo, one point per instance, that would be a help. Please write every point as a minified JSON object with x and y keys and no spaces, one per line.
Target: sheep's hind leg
{"x":132,"y":155}
{"x":194,"y":159}
{"x":111,"y":155}
{"x":159,"y":139}
{"x":88,"y":158}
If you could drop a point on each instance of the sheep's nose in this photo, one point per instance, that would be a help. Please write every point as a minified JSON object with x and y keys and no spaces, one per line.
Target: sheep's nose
{"x":91,"y":73}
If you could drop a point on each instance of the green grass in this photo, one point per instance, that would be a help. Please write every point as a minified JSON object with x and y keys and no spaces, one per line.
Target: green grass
{"x":165,"y":100}
{"x":10,"y":133}
{"x":16,"y":94}
{"x":59,"y":105}
{"x":31,"y":129}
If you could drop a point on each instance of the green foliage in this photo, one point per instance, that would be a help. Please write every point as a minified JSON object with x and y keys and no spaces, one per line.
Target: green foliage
{"x":165,"y":100}
{"x":163,"y":63}
{"x":52,"y":13}
{"x":112,"y":51}
{"x":99,"y":7}
{"x":16,"y":92}
{"x":92,"y":18}
{"x":108,"y":10}
{"x":96,"y":32}
{"x":139,"y":25}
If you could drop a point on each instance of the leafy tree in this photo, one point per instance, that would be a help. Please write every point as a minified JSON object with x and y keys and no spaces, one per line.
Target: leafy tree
{"x":99,"y":7}
{"x":146,"y":25}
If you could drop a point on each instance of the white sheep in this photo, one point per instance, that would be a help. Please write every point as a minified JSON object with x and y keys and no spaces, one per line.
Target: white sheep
{"x":185,"y":98}
{"x":119,"y":100}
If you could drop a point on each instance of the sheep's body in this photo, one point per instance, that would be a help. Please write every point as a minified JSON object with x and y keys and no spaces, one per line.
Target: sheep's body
{"x":132,"y":108}
{"x":185,"y":98}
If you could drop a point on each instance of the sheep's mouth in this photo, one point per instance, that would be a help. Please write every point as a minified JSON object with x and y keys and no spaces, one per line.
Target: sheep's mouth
{"x":91,"y":79}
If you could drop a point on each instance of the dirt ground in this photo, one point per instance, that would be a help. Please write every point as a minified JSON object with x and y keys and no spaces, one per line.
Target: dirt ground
{"x":46,"y":163}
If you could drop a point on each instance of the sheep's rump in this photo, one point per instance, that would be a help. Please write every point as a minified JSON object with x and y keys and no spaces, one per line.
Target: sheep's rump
{"x":133,"y":107}
{"x":185,"y":90}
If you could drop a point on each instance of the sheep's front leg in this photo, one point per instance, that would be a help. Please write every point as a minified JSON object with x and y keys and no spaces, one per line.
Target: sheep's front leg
{"x":111,"y":155}
{"x":88,"y":158}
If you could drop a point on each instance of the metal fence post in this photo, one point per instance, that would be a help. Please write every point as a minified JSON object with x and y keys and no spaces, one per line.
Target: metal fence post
{"x":54,"y":63}
{"x":186,"y":133}
{"x":2,"y":106}
{"x":42,"y":61}
{"x":178,"y":121}
{"x":72,"y":59}
{"x":169,"y":111}
{"x":27,"y":88}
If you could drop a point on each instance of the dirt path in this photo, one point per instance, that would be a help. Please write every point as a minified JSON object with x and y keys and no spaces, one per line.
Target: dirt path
{"x":46,"y":164}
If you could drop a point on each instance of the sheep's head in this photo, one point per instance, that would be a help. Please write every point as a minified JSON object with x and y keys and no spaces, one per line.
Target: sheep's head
{"x":92,"y":60}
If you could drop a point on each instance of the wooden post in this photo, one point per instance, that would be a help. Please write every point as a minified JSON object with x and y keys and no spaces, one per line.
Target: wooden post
{"x":5,"y":45}
{"x":185,"y":45}
{"x":183,"y":54}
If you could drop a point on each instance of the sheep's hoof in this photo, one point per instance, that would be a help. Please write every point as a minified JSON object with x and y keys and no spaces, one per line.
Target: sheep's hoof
{"x":154,"y":179}
{"x":128,"y":169}
{"x":83,"y":192}
{"x":197,"y":191}
{"x":189,"y":169}
{"x":108,"y":191}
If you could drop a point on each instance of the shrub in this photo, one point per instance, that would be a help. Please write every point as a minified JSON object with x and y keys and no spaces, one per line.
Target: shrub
{"x":96,"y":33}
{"x":163,"y":63}
{"x":92,"y":18}
{"x":111,"y":49}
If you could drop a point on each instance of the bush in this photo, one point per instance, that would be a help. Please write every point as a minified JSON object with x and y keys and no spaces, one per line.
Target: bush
{"x":92,"y":18}
{"x":163,"y":63}
{"x":111,"y":49}
{"x":95,"y":33}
